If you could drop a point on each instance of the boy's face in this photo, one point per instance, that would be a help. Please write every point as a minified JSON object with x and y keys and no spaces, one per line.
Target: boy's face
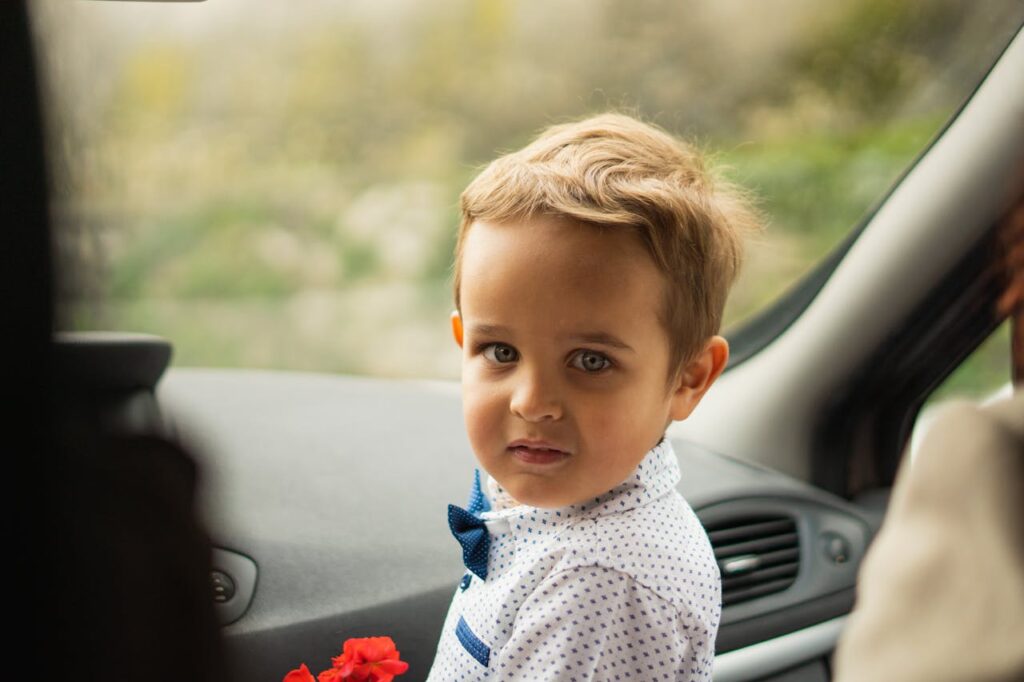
{"x":565,"y":361}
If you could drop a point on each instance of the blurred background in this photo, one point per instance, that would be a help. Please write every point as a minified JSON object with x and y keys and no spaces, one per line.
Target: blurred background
{"x":275,"y":185}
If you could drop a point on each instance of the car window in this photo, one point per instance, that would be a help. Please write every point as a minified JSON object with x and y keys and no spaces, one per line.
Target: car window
{"x":982,"y":375}
{"x":276,"y":184}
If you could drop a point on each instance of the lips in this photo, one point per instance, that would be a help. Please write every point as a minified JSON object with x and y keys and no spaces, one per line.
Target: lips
{"x":537,"y":452}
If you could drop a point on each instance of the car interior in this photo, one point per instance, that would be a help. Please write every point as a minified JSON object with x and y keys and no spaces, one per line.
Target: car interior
{"x":288,"y":511}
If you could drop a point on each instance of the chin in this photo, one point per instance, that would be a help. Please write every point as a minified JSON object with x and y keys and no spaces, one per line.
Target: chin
{"x":538,"y":496}
{"x":526,"y":492}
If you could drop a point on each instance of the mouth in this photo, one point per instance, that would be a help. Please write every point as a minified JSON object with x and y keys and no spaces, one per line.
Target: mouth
{"x":537,"y":452}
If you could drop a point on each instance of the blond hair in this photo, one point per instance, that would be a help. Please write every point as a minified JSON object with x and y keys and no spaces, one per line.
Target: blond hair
{"x":615,"y":172}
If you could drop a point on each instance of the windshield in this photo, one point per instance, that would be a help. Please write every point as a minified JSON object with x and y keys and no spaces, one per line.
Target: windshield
{"x":275,"y":184}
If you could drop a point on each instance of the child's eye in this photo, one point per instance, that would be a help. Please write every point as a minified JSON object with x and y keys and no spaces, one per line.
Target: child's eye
{"x":500,"y":352}
{"x":590,"y":361}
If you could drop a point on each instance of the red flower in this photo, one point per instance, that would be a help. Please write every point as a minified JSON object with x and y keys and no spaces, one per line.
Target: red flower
{"x":300,"y":674}
{"x":370,"y":659}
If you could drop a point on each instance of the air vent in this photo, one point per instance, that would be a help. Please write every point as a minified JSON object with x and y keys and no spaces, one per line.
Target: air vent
{"x":757,"y":555}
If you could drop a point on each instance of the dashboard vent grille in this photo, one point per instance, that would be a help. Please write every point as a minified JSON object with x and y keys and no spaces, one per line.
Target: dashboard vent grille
{"x":757,"y":555}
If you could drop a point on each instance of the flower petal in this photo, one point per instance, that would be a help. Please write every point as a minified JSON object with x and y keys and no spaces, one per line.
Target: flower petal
{"x":371,"y":659}
{"x":300,"y":674}
{"x":393,"y":667}
{"x":330,"y":675}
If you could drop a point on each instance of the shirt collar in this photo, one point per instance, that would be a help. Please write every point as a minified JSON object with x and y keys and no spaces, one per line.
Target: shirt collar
{"x":657,"y":474}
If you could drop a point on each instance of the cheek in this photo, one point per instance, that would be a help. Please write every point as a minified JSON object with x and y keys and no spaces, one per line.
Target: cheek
{"x":624,"y":416}
{"x":482,"y":410}
{"x":610,"y":431}
{"x":610,"y":402}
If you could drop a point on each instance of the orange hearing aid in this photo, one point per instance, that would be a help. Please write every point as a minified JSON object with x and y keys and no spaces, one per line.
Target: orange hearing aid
{"x":457,"y":327}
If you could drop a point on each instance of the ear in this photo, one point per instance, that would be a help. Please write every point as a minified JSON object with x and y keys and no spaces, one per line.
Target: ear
{"x":457,"y":327}
{"x":697,"y":376}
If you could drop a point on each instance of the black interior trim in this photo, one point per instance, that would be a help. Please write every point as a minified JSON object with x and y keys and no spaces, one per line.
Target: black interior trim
{"x":860,"y":437}
{"x":25,"y":283}
{"x":107,"y":381}
{"x":111,"y":361}
{"x":737,"y":635}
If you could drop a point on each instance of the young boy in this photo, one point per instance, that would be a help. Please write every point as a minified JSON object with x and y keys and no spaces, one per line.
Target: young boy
{"x":591,"y":271}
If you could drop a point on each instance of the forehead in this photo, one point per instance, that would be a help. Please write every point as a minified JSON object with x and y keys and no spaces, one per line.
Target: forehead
{"x":561,"y":271}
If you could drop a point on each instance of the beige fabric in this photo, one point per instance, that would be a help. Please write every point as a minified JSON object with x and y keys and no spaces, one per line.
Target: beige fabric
{"x":941,"y":591}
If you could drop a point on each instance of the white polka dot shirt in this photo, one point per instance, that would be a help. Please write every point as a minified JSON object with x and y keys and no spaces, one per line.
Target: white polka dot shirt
{"x":621,"y":587}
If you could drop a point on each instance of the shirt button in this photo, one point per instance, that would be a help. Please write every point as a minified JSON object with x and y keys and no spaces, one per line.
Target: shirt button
{"x":466,"y":580}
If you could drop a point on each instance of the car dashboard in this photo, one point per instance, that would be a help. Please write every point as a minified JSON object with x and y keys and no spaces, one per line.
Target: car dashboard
{"x":325,"y":497}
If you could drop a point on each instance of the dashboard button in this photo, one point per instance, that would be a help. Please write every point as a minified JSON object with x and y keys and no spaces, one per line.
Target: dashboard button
{"x":223,"y":586}
{"x":835,"y":548}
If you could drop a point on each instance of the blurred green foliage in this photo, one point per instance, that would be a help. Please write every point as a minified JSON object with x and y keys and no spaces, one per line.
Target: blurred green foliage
{"x":276,"y":184}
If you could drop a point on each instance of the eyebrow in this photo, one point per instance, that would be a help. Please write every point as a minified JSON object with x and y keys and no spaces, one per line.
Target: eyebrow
{"x":603,"y":339}
{"x":491,"y":330}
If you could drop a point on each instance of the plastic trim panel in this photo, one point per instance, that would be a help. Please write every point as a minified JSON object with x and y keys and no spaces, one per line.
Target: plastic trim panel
{"x":242,"y":570}
{"x":774,"y":655}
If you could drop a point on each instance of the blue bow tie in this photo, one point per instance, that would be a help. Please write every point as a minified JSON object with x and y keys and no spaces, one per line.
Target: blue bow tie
{"x":470,"y":530}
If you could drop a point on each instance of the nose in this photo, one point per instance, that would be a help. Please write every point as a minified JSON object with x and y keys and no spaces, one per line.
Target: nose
{"x":535,"y":398}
